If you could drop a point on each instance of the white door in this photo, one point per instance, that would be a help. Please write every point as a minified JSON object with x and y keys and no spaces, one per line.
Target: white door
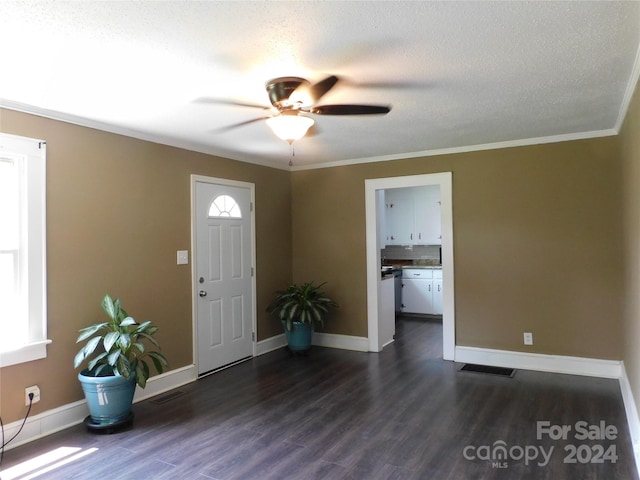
{"x":223,"y":285}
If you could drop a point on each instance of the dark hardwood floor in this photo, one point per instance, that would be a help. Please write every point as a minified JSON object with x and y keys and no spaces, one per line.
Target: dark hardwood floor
{"x":401,"y":414}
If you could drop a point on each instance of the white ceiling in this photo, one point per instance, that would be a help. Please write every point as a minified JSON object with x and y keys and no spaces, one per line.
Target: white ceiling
{"x":458,"y":75}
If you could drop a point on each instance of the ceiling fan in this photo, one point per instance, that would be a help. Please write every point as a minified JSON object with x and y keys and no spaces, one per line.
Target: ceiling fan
{"x":291,"y":97}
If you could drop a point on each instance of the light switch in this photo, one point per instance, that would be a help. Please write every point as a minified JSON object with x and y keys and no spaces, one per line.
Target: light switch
{"x":183,"y":257}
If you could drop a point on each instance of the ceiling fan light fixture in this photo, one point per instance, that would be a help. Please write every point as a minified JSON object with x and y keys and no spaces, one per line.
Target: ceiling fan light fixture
{"x":290,"y":127}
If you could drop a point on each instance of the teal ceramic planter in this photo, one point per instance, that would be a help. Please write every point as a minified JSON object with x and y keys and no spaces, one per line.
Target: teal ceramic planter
{"x":300,"y":336}
{"x":109,"y":398}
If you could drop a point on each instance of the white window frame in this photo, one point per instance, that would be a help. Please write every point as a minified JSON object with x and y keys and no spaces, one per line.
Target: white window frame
{"x":32,"y":154}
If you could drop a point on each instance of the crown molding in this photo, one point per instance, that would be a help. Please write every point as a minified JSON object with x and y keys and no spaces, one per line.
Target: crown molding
{"x":628,"y":94}
{"x":464,"y":149}
{"x":129,"y":132}
{"x":177,"y":143}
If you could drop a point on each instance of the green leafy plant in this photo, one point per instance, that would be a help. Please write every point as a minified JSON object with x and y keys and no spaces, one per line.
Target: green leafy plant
{"x":304,"y":303}
{"x":123,"y":342}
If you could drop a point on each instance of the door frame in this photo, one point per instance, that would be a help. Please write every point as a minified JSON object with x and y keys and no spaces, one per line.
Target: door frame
{"x":444,"y":181}
{"x":194,"y":283}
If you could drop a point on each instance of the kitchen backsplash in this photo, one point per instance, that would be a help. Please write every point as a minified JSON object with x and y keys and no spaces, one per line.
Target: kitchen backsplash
{"x":417,"y":254}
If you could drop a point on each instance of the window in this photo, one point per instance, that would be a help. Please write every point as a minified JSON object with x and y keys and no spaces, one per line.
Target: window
{"x":224,"y":206}
{"x":23,"y":326}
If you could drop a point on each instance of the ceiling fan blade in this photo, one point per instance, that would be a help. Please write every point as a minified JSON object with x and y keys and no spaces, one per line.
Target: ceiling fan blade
{"x":319,"y":89}
{"x":240,"y":124}
{"x":222,"y":101}
{"x":310,"y":94}
{"x":403,"y":85}
{"x":349,"y":110}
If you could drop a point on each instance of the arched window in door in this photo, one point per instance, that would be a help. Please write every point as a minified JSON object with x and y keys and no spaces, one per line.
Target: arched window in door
{"x":224,"y":206}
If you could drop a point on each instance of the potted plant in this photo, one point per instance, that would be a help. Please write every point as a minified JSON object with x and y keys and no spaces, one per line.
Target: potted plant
{"x":117,"y":353}
{"x":298,"y":308}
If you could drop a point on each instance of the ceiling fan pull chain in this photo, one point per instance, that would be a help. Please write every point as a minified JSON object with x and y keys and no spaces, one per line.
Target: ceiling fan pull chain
{"x":293,"y":154}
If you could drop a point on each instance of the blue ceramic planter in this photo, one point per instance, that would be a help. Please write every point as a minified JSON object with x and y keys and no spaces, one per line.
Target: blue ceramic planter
{"x":109,"y":398}
{"x":300,"y":336}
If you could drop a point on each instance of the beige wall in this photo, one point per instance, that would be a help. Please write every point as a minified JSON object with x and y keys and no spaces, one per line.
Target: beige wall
{"x":537,"y":237}
{"x":118,"y":209}
{"x":630,"y":139}
{"x":537,"y":244}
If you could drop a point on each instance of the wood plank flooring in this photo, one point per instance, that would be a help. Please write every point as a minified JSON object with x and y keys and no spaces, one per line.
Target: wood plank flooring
{"x":403,"y":414}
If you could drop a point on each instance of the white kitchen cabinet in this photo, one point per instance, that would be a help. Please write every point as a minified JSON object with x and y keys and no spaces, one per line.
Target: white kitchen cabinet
{"x":421,"y":292}
{"x":437,"y":296}
{"x":428,"y":229}
{"x":399,"y":218}
{"x":413,"y":216}
{"x":417,"y":295}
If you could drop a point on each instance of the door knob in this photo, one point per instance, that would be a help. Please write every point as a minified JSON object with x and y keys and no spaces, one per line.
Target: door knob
{"x":202,"y":293}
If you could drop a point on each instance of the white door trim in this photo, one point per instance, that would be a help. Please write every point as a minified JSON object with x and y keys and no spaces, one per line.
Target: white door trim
{"x":194,"y":285}
{"x":444,"y":180}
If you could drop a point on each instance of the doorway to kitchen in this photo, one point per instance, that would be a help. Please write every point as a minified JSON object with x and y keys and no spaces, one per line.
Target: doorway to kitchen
{"x":374,"y":245}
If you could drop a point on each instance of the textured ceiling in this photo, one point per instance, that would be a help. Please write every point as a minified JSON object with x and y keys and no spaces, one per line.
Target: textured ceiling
{"x":458,"y":75}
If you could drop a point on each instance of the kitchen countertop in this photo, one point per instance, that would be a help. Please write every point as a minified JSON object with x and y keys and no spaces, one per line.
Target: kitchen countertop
{"x":388,"y":270}
{"x":402,"y":267}
{"x":432,"y":267}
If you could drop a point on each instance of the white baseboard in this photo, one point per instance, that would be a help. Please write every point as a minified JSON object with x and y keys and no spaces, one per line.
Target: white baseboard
{"x":632,"y":415}
{"x":331,"y":340}
{"x":345,"y":342}
{"x":591,"y":367}
{"x":166,"y":381}
{"x":46,"y":423}
{"x":271,"y":344}
{"x":57,"y":419}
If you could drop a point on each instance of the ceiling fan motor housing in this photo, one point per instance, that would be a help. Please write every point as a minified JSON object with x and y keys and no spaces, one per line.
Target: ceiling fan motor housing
{"x":280,"y":89}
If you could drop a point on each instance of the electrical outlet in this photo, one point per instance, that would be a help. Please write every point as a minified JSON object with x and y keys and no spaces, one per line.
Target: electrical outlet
{"x":36,"y":394}
{"x":528,"y":338}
